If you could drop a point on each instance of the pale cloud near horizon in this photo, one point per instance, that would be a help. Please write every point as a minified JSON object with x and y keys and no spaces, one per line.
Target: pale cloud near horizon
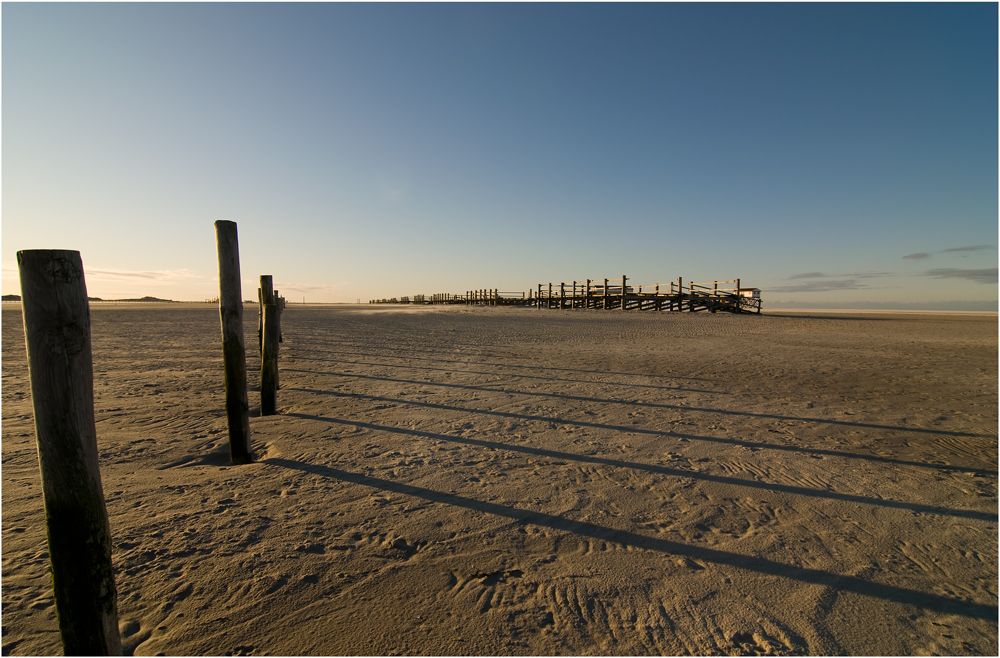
{"x":163,"y":276}
{"x":300,"y":287}
{"x":821,"y":286}
{"x":153,"y":276}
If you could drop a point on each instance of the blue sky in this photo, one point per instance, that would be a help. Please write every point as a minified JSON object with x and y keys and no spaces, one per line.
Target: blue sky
{"x":829,"y":154}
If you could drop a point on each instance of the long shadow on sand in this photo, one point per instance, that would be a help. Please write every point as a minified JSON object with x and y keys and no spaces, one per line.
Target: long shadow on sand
{"x":663,"y":470}
{"x":668,"y":434}
{"x":835,"y":581}
{"x":651,"y":405}
{"x":309,"y":351}
{"x":494,"y":374}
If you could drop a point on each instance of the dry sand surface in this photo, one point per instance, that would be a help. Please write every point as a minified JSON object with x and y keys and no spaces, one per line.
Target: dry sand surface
{"x":510,"y":481}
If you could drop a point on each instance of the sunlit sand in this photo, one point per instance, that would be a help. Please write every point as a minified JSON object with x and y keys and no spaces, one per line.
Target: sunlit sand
{"x":447,"y":480}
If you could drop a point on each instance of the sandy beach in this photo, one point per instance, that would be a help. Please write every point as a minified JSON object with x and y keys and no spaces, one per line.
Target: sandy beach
{"x":458,"y":481}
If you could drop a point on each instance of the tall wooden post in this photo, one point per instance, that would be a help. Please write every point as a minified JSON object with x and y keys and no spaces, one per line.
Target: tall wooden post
{"x":279,"y":308}
{"x":233,"y":349}
{"x":605,"y":307}
{"x":61,"y":372}
{"x":269,"y":362}
{"x":260,"y":319}
{"x":680,"y":293}
{"x":266,"y":293}
{"x":624,"y":282}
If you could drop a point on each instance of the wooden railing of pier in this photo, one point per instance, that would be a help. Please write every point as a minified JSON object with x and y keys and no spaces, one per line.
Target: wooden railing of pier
{"x":610,"y":294}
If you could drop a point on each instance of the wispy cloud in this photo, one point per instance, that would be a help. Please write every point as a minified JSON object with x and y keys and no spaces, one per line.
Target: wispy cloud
{"x":953,"y":250}
{"x":988,"y":275}
{"x":157,"y":276}
{"x":301,"y":287}
{"x":823,"y":282}
{"x":821,"y":286}
{"x":978,"y":247}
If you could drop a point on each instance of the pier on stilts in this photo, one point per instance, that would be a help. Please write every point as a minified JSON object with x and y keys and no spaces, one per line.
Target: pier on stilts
{"x":609,"y":294}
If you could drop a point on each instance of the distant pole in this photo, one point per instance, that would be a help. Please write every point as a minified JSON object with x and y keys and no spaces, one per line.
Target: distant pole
{"x":233,"y":349}
{"x":624,"y":282}
{"x":61,"y":371}
{"x":269,"y":362}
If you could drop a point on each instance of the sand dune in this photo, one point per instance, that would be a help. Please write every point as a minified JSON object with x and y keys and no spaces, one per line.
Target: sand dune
{"x":508,"y":481}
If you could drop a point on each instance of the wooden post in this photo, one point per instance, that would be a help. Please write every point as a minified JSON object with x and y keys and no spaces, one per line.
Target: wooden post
{"x":548,"y":302}
{"x":624,"y":281}
{"x":680,"y":294}
{"x":605,"y":294}
{"x":269,"y":362}
{"x":233,"y":350}
{"x":277,"y":305}
{"x":267,"y":291}
{"x":61,"y":372}
{"x":260,"y":319}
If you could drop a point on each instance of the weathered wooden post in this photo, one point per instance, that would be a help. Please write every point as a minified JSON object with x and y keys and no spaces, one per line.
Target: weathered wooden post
{"x":680,"y":294}
{"x":605,"y":307}
{"x":233,"y":349}
{"x":278,"y":307}
{"x":260,"y":319}
{"x":624,"y":282}
{"x":269,"y":362}
{"x":61,"y":372}
{"x":266,"y":297}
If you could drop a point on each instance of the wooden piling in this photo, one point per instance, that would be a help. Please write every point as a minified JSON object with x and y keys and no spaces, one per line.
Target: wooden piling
{"x":260,"y":319}
{"x":56,"y":319}
{"x":233,"y":349}
{"x":269,"y":362}
{"x":279,"y":308}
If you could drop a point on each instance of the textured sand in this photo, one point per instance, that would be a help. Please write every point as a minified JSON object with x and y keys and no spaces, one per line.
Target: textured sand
{"x":512,"y":481}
